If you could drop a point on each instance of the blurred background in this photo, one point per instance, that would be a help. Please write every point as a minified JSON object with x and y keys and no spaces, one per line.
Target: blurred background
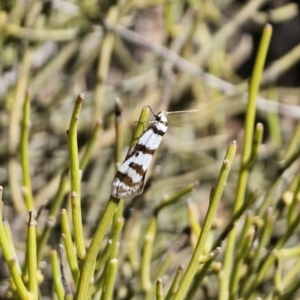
{"x":170,"y":55}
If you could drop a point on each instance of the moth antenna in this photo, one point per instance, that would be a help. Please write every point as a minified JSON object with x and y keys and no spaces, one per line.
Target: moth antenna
{"x":151,"y":110}
{"x":181,"y":111}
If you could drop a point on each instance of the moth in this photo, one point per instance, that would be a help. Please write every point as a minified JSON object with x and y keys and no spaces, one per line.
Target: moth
{"x":130,"y":178}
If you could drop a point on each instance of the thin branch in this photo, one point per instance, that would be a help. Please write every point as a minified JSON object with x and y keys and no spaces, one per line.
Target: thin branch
{"x":228,"y":89}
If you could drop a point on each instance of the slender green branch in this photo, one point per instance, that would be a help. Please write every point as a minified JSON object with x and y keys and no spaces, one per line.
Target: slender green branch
{"x":62,"y":189}
{"x":267,"y":262}
{"x":216,"y":196}
{"x":116,"y":231}
{"x":140,"y":128}
{"x":110,"y":280}
{"x":293,"y":144}
{"x":292,"y":212}
{"x":89,"y":263}
{"x":251,"y":112}
{"x":168,"y":200}
{"x":193,"y":217}
{"x":105,"y":255}
{"x":31,"y":256}
{"x":257,"y":140}
{"x":151,"y":233}
{"x":14,"y":131}
{"x":67,"y":239}
{"x":234,"y":218}
{"x":246,"y":155}
{"x":113,"y":255}
{"x":282,"y":166}
{"x":51,"y":220}
{"x":57,"y":35}
{"x":56,"y":275}
{"x":11,"y":243}
{"x":11,"y":259}
{"x":147,"y":254}
{"x":246,"y":239}
{"x":274,"y":119}
{"x":202,"y":273}
{"x":159,"y":290}
{"x":210,"y":256}
{"x":90,"y":146}
{"x":175,"y":283}
{"x":27,"y":190}
{"x":75,"y":179}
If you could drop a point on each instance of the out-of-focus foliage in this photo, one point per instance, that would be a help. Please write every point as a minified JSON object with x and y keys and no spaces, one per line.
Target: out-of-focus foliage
{"x":170,"y":55}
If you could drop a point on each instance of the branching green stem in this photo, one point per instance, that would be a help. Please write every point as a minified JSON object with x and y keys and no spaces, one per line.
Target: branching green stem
{"x":89,"y":263}
{"x":215,"y":198}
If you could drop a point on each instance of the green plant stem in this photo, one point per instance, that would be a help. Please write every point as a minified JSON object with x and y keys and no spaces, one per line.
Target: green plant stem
{"x":291,"y":199}
{"x":31,"y":257}
{"x":14,"y":131}
{"x":273,"y":120}
{"x":159,"y":290}
{"x":150,"y":236}
{"x":75,"y":179}
{"x":246,"y":157}
{"x":252,"y":283}
{"x":214,"y":201}
{"x":263,"y":239}
{"x":88,"y":267}
{"x":113,"y":255}
{"x":116,"y":231}
{"x":193,"y":217}
{"x":11,"y":243}
{"x":233,"y":220}
{"x":62,"y":189}
{"x":202,"y":273}
{"x":90,"y":145}
{"x":278,"y":277}
{"x":210,"y":256}
{"x":250,"y":114}
{"x":105,"y":255}
{"x":293,"y":144}
{"x":56,"y":275}
{"x":168,"y":200}
{"x":165,"y":264}
{"x":292,"y":274}
{"x":11,"y":260}
{"x":147,"y":254}
{"x":71,"y":254}
{"x":245,"y":240}
{"x":27,"y":190}
{"x":283,"y":166}
{"x":140,"y":128}
{"x":175,"y":283}
{"x":257,"y":140}
{"x":40,"y":35}
{"x":110,"y":280}
{"x":55,"y":205}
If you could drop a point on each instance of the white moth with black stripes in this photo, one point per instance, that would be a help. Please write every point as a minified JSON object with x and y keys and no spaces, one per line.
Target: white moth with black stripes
{"x":130,"y":177}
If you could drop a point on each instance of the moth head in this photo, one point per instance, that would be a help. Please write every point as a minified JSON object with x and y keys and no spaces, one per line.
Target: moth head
{"x":161,"y":117}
